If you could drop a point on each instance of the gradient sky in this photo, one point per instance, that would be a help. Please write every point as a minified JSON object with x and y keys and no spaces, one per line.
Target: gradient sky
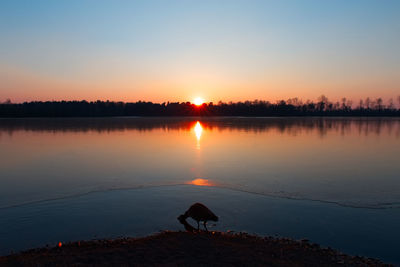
{"x":218,"y":50}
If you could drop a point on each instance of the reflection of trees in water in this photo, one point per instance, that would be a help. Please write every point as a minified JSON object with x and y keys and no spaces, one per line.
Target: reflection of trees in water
{"x":291,"y":126}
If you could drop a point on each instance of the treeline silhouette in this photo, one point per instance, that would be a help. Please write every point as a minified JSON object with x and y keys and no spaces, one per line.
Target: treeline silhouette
{"x":291,"y":107}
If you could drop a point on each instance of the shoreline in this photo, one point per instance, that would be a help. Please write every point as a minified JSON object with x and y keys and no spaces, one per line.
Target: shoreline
{"x":185,"y":248}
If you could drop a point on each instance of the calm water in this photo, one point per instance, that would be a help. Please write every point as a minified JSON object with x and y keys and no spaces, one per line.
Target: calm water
{"x":335,"y":181}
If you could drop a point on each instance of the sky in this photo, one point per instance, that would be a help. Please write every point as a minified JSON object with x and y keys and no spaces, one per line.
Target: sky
{"x":174,"y":50}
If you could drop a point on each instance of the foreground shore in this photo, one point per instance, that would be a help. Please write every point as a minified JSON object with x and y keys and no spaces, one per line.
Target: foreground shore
{"x":184,"y":248}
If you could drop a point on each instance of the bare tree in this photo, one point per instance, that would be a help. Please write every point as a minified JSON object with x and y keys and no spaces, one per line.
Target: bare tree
{"x":323,"y":98}
{"x":373,"y":104}
{"x":391,"y":104}
{"x":379,"y":102}
{"x":293,"y":101}
{"x":361,"y":104}
{"x":336,"y":106}
{"x":367,"y":103}
{"x":349,"y":104}
{"x":322,"y":102}
{"x":344,"y":103}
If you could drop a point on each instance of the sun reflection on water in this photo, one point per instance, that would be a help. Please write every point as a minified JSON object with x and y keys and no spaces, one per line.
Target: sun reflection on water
{"x":201,"y":182}
{"x":198,"y":130}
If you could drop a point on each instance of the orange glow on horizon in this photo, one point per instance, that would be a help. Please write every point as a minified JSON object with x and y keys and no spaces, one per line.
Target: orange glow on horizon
{"x":201,"y":182}
{"x":22,"y":85}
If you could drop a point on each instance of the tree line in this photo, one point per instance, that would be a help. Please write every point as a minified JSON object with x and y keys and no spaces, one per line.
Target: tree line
{"x":290,"y":107}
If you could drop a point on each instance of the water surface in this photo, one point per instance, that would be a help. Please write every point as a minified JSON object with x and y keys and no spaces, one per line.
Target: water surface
{"x":332,"y":180}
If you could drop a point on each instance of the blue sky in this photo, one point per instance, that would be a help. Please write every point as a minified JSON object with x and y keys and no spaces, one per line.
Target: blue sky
{"x":218,"y":50}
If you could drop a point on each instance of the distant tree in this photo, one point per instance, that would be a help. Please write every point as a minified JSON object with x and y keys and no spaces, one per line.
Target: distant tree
{"x":336,"y":106}
{"x":391,"y":104}
{"x":322,"y":102}
{"x":7,"y":102}
{"x":295,"y":101}
{"x":367,"y":103}
{"x":379,"y":102}
{"x":361,"y":104}
{"x":292,"y":101}
{"x":281,"y":103}
{"x":323,"y":98}
{"x":349,"y":104}
{"x":373,"y":104}
{"x":344,"y":107}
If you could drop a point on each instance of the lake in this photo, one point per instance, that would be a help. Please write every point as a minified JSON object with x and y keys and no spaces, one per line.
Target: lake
{"x":334,"y":181}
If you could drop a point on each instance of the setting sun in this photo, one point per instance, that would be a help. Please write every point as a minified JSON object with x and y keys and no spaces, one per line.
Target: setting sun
{"x":198,"y":101}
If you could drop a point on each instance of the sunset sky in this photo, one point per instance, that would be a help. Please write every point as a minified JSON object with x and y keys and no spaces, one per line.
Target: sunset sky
{"x":217,"y":50}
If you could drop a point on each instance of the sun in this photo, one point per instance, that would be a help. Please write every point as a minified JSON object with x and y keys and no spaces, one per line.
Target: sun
{"x":198,"y":101}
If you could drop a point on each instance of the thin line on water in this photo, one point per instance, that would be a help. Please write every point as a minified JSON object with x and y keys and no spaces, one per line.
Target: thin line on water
{"x":378,"y":206}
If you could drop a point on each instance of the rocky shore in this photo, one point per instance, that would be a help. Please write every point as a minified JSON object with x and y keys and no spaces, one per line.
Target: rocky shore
{"x":188,"y":249}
